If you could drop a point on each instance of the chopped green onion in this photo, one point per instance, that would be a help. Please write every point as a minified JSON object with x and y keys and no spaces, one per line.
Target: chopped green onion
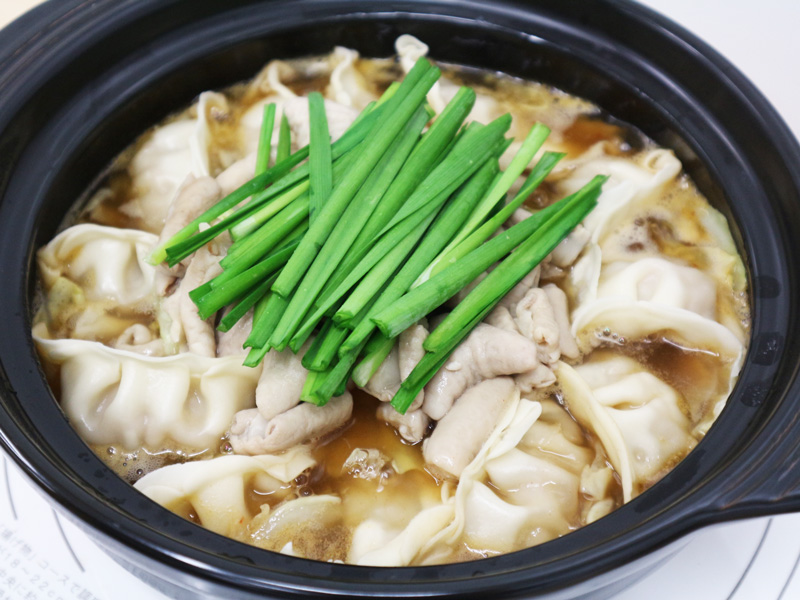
{"x":469,"y":153}
{"x":343,"y":193}
{"x":225,"y":276}
{"x":354,"y":217}
{"x":454,"y":251}
{"x":423,"y":299}
{"x":273,"y":307}
{"x":319,"y":157}
{"x":329,"y":383}
{"x":183,"y":243}
{"x":284,"y":140}
{"x":327,"y":349}
{"x":443,"y":229}
{"x":432,"y":146}
{"x":255,"y":356}
{"x":415,"y":224}
{"x":390,"y":91}
{"x":377,"y":276}
{"x":268,"y":236}
{"x":262,"y":326}
{"x":245,"y":304}
{"x":430,"y":195}
{"x":265,"y":140}
{"x":264,"y":214}
{"x":397,"y":111}
{"x":307,"y":394}
{"x":428,"y":152}
{"x":514,"y":268}
{"x":377,"y":350}
{"x":227,"y":292}
{"x":533,"y":141}
{"x":316,"y":345}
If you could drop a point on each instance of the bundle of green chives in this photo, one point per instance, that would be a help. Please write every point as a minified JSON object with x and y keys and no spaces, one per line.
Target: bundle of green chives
{"x":373,"y":232}
{"x":480,"y":301}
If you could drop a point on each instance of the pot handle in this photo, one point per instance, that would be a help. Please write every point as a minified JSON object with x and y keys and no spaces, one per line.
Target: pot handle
{"x":764,"y":478}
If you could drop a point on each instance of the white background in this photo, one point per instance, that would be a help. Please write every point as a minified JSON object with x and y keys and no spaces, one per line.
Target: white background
{"x":42,"y":555}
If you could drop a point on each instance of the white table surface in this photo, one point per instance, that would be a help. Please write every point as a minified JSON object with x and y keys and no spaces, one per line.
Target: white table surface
{"x":43,"y":555}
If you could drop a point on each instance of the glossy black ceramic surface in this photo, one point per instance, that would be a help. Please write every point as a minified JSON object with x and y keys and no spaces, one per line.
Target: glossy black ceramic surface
{"x":79,"y":80}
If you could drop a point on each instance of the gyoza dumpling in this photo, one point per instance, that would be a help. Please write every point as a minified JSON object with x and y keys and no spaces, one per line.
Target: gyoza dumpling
{"x":119,"y":398}
{"x":163,"y":163}
{"x":629,"y":184}
{"x":308,"y":527}
{"x":107,"y":263}
{"x":527,"y":105}
{"x":339,"y":116}
{"x":639,"y":218}
{"x":517,"y":417}
{"x":534,"y":492}
{"x":97,"y":283}
{"x":376,"y":544}
{"x":347,"y":85}
{"x":636,"y":416}
{"x":536,"y":478}
{"x":215,"y":491}
{"x":657,"y":296}
{"x":662,"y":282}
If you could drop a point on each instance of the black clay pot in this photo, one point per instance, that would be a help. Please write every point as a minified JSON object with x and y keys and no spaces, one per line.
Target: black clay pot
{"x":79,"y":80}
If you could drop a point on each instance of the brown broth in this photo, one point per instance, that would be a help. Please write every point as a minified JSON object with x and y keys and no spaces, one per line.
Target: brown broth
{"x":699,"y":376}
{"x":133,"y":465}
{"x":588,"y":130}
{"x":404,"y":479}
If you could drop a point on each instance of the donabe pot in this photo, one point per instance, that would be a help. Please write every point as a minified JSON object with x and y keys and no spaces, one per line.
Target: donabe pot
{"x":80,"y":80}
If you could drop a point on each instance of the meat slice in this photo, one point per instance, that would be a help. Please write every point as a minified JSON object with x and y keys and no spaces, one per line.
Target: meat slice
{"x":542,"y":317}
{"x":239,"y":173}
{"x":186,"y":322}
{"x":412,"y":425}
{"x":540,"y":376}
{"x":488,"y":352}
{"x":409,"y":353}
{"x":458,"y":437}
{"x":558,"y":301}
{"x":282,"y":379}
{"x":193,"y":199}
{"x":536,"y":321}
{"x":405,"y":355}
{"x":231,"y":342}
{"x":385,"y":382}
{"x":410,"y":350}
{"x":253,"y":434}
{"x":501,"y":317}
{"x":517,"y":293}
